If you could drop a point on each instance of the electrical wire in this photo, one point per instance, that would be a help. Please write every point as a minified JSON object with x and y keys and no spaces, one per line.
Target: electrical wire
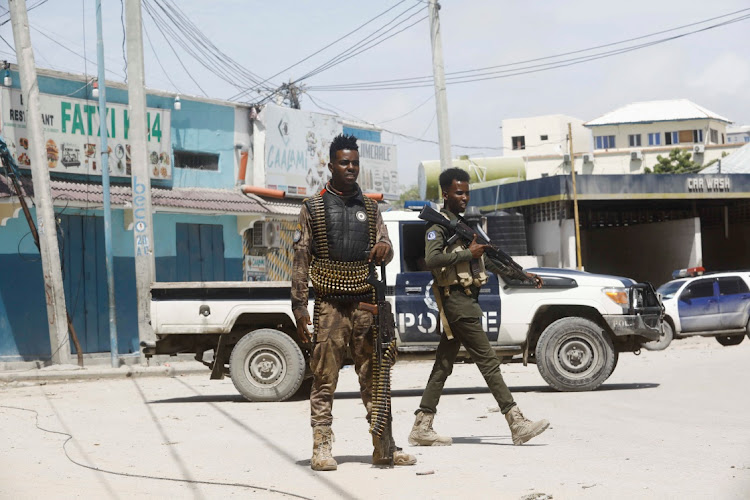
{"x":429,"y":99}
{"x":400,"y":134}
{"x":148,"y":9}
{"x":362,"y":46}
{"x":172,"y":23}
{"x":69,"y":437}
{"x":150,"y":44}
{"x":124,"y":37}
{"x":246,"y":91}
{"x":524,"y":67}
{"x":29,"y":9}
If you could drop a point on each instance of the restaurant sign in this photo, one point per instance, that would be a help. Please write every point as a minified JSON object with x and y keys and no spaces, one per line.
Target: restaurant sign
{"x":71,"y":135}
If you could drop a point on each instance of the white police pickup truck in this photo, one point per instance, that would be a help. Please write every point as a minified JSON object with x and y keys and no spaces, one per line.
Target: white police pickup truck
{"x":707,"y":304}
{"x":573,"y":328}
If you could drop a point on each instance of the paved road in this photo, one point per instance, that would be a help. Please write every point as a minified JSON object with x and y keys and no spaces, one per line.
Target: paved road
{"x":672,"y":424}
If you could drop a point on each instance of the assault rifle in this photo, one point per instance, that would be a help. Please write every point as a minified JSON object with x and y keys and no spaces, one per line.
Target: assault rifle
{"x":384,"y":356}
{"x":465,"y":232}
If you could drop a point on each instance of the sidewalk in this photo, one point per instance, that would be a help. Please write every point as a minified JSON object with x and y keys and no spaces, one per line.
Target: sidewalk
{"x":98,"y":367}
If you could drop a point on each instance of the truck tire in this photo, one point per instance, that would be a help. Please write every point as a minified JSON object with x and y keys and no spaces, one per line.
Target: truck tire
{"x":728,"y":340}
{"x":575,"y":354}
{"x":266,"y":365}
{"x":667,"y":334}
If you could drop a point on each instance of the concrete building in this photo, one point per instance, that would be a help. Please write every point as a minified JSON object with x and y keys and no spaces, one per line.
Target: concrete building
{"x":738,"y":134}
{"x":206,"y":228}
{"x":623,"y":141}
{"x":642,"y":226}
{"x":542,"y":141}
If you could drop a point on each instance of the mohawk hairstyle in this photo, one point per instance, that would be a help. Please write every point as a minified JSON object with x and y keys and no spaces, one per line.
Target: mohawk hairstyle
{"x":448,"y":175}
{"x":342,"y":141}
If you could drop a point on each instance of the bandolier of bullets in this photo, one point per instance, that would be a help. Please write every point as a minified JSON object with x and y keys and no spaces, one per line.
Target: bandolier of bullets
{"x":340,"y":281}
{"x":337,"y":281}
{"x":381,"y":386}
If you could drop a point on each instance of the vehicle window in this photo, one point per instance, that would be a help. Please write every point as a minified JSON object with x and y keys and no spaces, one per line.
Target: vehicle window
{"x":732,"y":286}
{"x":699,"y":289}
{"x":667,"y":290}
{"x":412,"y":246}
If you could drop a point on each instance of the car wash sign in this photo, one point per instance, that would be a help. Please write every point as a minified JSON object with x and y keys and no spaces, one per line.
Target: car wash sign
{"x":296,"y":152}
{"x":71,"y":134}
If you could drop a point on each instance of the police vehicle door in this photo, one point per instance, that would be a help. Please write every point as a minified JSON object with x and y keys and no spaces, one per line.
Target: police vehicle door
{"x":698,"y":306}
{"x":734,"y":300}
{"x":417,"y":315}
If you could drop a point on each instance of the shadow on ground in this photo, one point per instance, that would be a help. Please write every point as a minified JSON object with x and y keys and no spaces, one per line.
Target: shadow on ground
{"x":304,"y":393}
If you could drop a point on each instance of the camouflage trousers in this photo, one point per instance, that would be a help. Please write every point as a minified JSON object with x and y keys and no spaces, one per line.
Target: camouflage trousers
{"x":342,"y":328}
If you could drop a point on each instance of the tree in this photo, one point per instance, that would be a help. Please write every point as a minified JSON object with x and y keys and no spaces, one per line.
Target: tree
{"x":679,"y":161}
{"x":407,"y":194}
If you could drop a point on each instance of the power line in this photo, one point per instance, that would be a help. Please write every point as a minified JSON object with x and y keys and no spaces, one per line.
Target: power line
{"x":483,"y":74}
{"x":148,"y":10}
{"x":348,"y":53}
{"x":150,"y":44}
{"x":430,"y":98}
{"x":124,"y":37}
{"x":246,"y":91}
{"x":400,"y":134}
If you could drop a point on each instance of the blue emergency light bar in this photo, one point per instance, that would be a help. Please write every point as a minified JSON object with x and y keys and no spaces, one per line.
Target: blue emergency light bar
{"x":415,"y":204}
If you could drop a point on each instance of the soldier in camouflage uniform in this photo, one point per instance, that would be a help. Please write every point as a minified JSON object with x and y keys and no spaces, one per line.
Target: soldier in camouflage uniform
{"x":459,"y":272}
{"x":339,"y":232}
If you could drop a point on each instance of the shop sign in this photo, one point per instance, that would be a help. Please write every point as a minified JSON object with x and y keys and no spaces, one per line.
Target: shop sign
{"x":71,"y":135}
{"x":296,"y":153}
{"x":378,"y":169}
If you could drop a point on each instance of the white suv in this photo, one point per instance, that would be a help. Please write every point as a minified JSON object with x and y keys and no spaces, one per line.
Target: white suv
{"x":707,"y":304}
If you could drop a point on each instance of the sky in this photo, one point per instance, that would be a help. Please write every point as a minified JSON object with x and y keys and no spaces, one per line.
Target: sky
{"x":710,"y":68}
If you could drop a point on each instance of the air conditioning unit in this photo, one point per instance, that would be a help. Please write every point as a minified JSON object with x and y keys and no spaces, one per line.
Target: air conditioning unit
{"x":566,"y":158}
{"x":588,"y":158}
{"x":636,"y":156}
{"x":267,"y":234}
{"x":699,"y":148}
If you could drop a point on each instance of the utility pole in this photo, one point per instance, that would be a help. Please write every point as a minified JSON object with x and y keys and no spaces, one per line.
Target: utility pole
{"x":45,"y":212}
{"x":143,"y":229}
{"x":441,"y":100}
{"x":114,"y":354}
{"x":575,"y":200}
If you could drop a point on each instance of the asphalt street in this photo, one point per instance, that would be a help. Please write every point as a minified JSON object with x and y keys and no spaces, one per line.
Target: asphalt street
{"x":671,"y":424}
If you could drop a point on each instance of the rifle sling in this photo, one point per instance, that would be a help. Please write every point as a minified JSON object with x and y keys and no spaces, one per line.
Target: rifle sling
{"x":439,"y":299}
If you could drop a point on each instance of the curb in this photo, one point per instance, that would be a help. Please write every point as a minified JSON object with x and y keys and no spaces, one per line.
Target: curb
{"x":64,"y":373}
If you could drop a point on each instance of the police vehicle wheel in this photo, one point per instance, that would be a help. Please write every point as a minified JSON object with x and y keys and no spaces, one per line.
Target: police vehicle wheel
{"x":267,"y":365}
{"x":575,"y":354}
{"x":727,"y":340}
{"x":667,"y":334}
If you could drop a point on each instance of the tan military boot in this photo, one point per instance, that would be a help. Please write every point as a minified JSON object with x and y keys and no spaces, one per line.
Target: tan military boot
{"x":322,"y":441}
{"x":522,"y":429}
{"x":422,"y":433}
{"x":400,"y":457}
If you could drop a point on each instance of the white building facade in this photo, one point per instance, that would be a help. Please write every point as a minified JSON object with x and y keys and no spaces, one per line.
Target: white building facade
{"x":623,"y":141}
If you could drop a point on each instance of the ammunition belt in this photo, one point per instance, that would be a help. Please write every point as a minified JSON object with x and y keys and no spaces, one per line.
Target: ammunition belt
{"x":381,"y":387}
{"x":337,"y":281}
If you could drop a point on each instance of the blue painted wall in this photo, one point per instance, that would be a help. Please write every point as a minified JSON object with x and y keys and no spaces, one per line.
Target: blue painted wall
{"x":23,"y":315}
{"x":198,"y":126}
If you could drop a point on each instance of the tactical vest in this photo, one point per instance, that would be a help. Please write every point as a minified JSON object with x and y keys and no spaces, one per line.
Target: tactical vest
{"x":465,"y":273}
{"x":339,"y":267}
